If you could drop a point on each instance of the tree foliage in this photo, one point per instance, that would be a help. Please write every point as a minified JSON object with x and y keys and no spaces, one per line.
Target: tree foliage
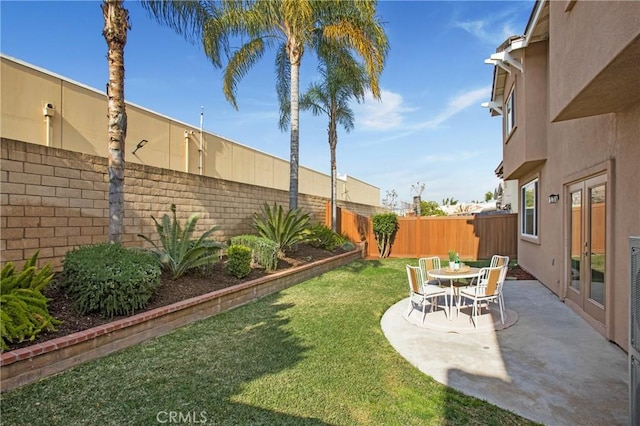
{"x":342,"y":79}
{"x":289,"y":27}
{"x":385,"y":227}
{"x":431,"y":208}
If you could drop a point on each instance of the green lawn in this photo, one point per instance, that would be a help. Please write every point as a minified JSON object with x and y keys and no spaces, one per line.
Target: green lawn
{"x":312,"y":354}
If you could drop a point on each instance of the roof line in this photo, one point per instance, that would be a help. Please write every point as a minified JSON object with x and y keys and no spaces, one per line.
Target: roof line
{"x":100,"y":92}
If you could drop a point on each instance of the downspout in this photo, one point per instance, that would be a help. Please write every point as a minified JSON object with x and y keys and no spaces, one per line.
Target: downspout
{"x":48,"y":110}
{"x":186,"y":151}
{"x":200,"y":166}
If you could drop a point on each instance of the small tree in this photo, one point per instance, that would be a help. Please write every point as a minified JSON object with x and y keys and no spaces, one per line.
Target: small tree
{"x":391,"y":199}
{"x":431,"y":208}
{"x":385,"y":226}
{"x":488,"y":196}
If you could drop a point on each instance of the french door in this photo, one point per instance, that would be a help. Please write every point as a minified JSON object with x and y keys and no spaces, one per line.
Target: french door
{"x":587,"y":236}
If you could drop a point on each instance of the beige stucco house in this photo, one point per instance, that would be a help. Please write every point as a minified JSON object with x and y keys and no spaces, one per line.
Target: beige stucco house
{"x":568,"y":93}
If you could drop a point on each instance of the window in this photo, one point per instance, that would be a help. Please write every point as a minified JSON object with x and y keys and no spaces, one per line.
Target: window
{"x":510,"y":116}
{"x":529,"y":210}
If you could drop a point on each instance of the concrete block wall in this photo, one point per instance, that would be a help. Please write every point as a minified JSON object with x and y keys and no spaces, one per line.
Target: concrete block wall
{"x":55,"y":200}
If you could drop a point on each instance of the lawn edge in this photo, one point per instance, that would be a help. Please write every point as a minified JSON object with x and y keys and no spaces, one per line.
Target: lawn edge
{"x":32,"y":363}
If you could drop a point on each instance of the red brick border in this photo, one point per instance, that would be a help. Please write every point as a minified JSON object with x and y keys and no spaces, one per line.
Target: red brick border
{"x":29,"y":364}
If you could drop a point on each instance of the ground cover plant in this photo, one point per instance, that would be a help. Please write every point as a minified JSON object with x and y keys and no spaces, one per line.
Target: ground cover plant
{"x":311,"y":354}
{"x":23,"y":308}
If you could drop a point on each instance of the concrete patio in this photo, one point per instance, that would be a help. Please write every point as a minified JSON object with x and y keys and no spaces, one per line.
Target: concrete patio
{"x":545,"y":364}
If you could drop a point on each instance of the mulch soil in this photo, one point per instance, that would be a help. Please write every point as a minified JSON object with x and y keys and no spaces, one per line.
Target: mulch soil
{"x":192,"y":284}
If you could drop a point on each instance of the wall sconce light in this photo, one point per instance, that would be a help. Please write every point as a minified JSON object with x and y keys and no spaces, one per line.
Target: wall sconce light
{"x":554,"y":198}
{"x":142,"y":143}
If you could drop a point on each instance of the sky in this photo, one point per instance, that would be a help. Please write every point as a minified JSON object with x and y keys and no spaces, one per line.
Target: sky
{"x":427,"y":131}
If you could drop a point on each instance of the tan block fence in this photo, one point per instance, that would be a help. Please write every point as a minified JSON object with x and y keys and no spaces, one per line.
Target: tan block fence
{"x":54,"y":200}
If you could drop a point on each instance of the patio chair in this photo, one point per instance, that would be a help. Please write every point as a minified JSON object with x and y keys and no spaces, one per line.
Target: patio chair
{"x":488,"y":289}
{"x":420,"y":293}
{"x":429,"y":264}
{"x":498,"y":260}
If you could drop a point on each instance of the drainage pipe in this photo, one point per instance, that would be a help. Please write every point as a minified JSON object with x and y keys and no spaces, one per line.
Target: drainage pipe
{"x":200,"y":165}
{"x":47,"y":121}
{"x":186,"y":151}
{"x":48,"y":111}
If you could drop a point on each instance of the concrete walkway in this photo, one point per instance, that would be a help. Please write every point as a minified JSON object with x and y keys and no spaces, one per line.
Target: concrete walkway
{"x":547,"y":365}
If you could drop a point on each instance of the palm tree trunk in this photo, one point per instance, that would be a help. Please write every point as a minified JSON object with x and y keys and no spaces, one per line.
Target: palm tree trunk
{"x":116,"y":24}
{"x":295,"y":135}
{"x":333,"y":141}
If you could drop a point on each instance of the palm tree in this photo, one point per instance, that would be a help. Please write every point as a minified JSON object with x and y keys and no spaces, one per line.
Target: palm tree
{"x":116,"y":24}
{"x":189,"y":18}
{"x":342,"y":79}
{"x":291,"y":26}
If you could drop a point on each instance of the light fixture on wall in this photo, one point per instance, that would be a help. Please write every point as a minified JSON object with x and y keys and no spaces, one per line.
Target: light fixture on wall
{"x":142,"y":143}
{"x":554,"y":198}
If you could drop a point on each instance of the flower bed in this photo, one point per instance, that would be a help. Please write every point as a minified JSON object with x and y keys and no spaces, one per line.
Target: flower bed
{"x":29,"y":364}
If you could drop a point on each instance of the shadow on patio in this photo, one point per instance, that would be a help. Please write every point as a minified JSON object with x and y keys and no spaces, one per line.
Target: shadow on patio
{"x":550,"y":366}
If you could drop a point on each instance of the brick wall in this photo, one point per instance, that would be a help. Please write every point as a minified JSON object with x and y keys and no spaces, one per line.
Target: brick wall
{"x":55,"y":200}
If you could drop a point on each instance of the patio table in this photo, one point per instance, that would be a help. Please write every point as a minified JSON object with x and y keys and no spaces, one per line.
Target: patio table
{"x":464,"y":272}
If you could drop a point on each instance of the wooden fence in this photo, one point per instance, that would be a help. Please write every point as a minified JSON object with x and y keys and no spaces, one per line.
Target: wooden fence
{"x":472,"y":237}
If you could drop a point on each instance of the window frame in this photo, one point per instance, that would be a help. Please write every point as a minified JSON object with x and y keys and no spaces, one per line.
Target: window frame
{"x":510,"y":112}
{"x":535,"y":183}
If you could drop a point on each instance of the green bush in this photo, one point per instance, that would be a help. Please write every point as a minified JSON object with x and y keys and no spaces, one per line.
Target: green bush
{"x":239,"y":261}
{"x":264,"y":252}
{"x":285,"y":230}
{"x":385,"y":226}
{"x":23,"y":307}
{"x":179,"y":252}
{"x":348,"y":245}
{"x":109,"y":279}
{"x":324,"y":237}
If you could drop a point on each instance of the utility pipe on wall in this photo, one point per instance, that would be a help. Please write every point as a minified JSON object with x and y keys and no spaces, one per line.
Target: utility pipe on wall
{"x":186,"y":151}
{"x":48,"y":110}
{"x":200,"y":166}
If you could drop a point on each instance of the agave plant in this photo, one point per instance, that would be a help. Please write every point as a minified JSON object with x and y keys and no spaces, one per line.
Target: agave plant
{"x":285,"y":229}
{"x":177,"y":250}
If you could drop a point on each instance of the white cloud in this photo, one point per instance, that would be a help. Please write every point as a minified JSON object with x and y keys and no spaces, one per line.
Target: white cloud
{"x":384,"y":114}
{"x":493,"y":30}
{"x":456,"y":105}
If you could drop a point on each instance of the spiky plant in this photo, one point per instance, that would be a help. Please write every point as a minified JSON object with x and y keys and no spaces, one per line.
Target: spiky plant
{"x":177,"y":251}
{"x":285,"y":229}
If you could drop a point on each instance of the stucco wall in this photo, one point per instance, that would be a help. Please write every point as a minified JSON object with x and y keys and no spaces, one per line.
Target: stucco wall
{"x":79,"y":124}
{"x":588,"y":39}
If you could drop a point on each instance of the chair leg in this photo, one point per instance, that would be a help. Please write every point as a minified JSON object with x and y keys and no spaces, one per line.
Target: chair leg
{"x":475,"y":314}
{"x":501,"y":309}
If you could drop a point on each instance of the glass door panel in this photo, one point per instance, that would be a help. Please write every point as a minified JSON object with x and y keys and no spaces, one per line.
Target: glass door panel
{"x":596,"y":247}
{"x":587,"y":249}
{"x":575,"y":227}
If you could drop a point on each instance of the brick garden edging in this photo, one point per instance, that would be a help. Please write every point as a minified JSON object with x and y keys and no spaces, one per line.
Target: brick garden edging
{"x":26,"y":365}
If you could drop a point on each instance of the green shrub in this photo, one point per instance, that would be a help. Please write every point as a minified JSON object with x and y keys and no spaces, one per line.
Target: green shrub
{"x":264,"y":252}
{"x":23,"y":307}
{"x":324,"y":237}
{"x":239,"y":261}
{"x":109,"y":279}
{"x":385,"y":226}
{"x":348,"y":246}
{"x":285,"y":230}
{"x":179,"y":252}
